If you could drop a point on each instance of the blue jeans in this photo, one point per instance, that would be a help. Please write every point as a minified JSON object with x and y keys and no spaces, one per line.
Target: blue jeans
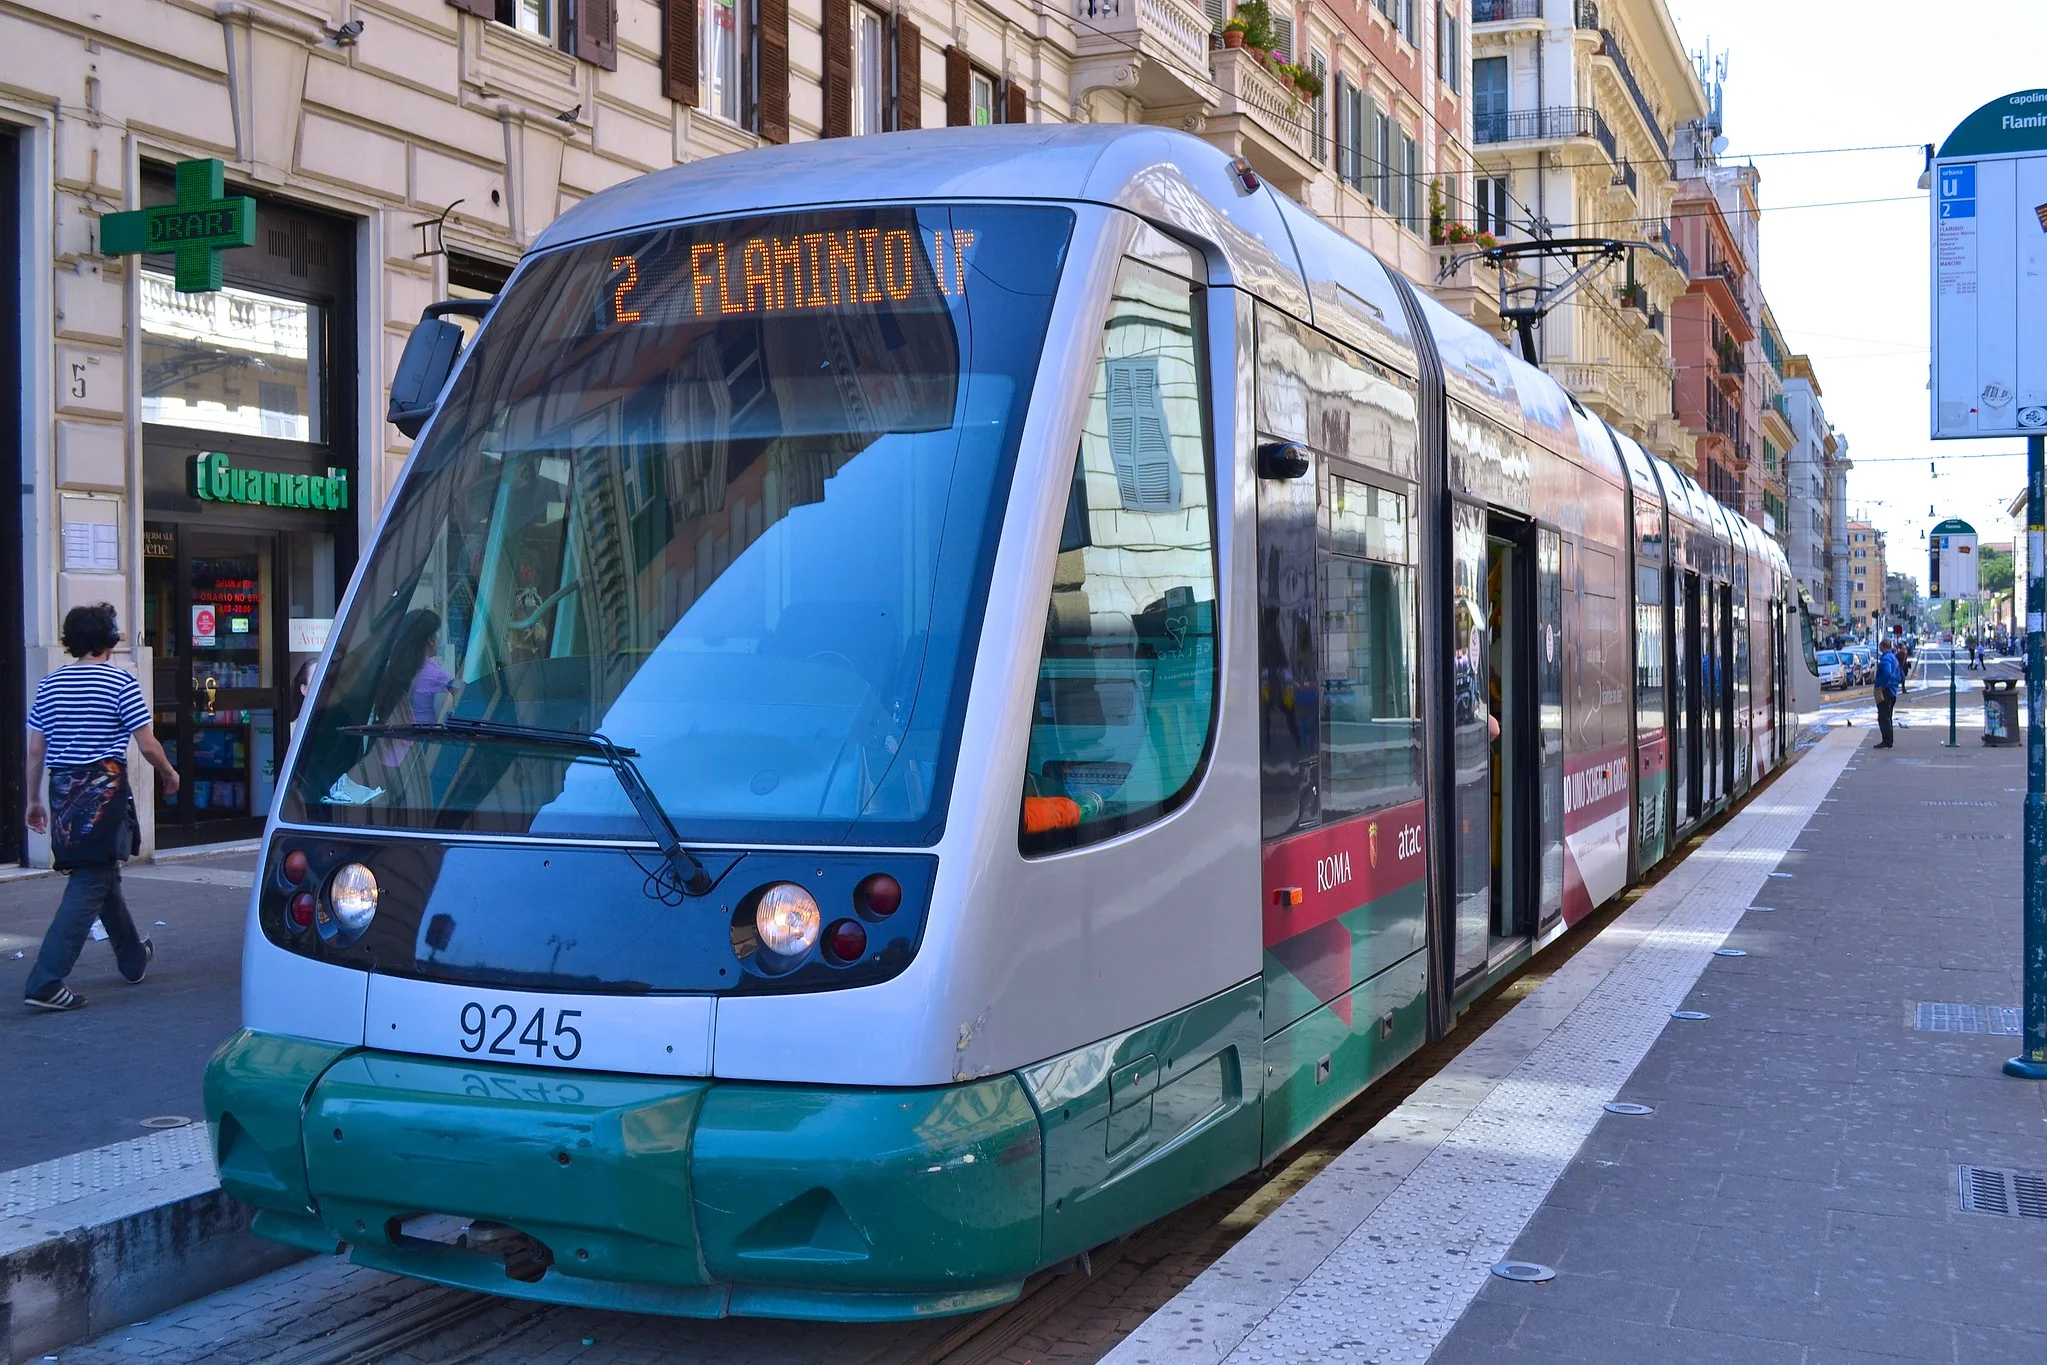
{"x":94,"y":894}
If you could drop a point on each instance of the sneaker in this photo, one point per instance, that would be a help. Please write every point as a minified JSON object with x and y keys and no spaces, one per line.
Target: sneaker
{"x":59,"y":997}
{"x":148,"y":955}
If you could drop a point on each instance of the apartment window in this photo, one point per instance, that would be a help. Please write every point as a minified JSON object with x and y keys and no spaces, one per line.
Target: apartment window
{"x":1350,"y":133}
{"x":1489,"y":205}
{"x":1489,"y":99}
{"x":724,"y":52}
{"x":1382,"y":158}
{"x":981,"y":99}
{"x":1283,"y":36}
{"x":870,"y":64}
{"x":1411,"y":22}
{"x":1449,"y":63}
{"x":532,"y":16}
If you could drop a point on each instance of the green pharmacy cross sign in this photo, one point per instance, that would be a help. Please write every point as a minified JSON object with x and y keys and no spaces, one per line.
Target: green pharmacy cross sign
{"x":197,"y":228}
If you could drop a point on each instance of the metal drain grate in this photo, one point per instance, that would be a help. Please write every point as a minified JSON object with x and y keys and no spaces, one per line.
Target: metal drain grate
{"x":1941,"y":1017}
{"x":1982,"y":804}
{"x":2006,"y":1194}
{"x":1972,"y":838}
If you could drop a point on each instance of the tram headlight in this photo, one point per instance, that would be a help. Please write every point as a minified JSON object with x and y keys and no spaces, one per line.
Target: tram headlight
{"x":787,"y":920}
{"x":352,"y":896}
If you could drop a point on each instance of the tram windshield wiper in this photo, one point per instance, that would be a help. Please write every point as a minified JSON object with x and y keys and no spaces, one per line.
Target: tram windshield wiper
{"x":689,"y":869}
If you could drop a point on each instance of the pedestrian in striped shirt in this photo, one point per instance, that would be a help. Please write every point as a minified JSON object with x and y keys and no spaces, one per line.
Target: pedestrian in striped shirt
{"x":79,"y":726}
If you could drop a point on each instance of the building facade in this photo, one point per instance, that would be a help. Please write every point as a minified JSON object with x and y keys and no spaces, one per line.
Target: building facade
{"x":1573,"y":105}
{"x":1866,"y":577}
{"x":1808,"y":460}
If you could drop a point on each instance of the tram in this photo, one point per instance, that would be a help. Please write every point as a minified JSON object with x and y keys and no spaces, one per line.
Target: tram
{"x":925,"y":700}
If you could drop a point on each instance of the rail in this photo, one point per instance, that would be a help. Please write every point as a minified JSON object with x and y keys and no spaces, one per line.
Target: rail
{"x":1543,"y":125}
{"x":1504,"y":11}
{"x":1627,"y":177}
{"x":1610,"y":46}
{"x":1242,"y":80}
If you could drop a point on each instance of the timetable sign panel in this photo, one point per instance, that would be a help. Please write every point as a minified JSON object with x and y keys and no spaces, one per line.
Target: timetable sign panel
{"x":1990,"y":298}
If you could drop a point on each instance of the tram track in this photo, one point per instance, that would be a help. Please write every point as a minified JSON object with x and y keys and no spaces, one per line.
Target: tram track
{"x":1065,"y":1316}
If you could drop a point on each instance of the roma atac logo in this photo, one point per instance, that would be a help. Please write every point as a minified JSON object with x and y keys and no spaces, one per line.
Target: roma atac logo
{"x":1372,"y":841}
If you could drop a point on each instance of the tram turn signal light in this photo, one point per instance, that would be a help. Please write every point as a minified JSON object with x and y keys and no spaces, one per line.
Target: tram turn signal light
{"x":295,"y":866}
{"x":879,"y":895}
{"x":847,"y":940}
{"x":1286,"y":895}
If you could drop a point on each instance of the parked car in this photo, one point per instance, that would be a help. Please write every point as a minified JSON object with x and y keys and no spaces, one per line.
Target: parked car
{"x":1833,"y":673}
{"x":1862,"y":663}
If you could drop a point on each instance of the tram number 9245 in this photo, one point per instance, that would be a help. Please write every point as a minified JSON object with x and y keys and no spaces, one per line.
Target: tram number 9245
{"x":478,"y":1023}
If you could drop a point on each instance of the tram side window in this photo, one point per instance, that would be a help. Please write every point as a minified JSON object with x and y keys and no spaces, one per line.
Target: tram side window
{"x":1127,"y":674}
{"x":1371,"y":733}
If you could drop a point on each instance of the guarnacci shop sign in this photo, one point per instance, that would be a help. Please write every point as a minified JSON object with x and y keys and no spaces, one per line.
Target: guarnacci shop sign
{"x":215,"y":480}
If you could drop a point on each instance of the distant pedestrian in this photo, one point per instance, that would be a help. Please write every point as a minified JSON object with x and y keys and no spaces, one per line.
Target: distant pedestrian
{"x":79,"y":726}
{"x":1889,"y":678}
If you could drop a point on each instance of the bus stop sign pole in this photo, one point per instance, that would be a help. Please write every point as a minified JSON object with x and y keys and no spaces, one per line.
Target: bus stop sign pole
{"x":2032,"y":1062}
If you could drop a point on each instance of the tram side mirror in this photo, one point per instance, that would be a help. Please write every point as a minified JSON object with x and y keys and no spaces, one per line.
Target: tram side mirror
{"x":1283,"y":460}
{"x":428,"y":360}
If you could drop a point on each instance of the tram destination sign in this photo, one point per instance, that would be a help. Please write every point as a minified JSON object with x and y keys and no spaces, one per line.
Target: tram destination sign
{"x":1989,"y":275}
{"x":203,"y":222}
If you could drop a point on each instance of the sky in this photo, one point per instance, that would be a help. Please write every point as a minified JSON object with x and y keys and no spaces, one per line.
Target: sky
{"x":1849,"y":284}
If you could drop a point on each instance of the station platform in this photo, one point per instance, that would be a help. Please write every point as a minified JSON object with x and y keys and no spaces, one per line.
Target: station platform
{"x":1819,"y":1160}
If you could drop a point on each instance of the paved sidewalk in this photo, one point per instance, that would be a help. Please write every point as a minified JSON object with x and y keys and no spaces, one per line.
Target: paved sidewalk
{"x":1795,"y":1196}
{"x":89,"y":1078}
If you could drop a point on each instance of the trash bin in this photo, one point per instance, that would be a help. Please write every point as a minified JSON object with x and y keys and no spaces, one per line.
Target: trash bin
{"x":2000,"y":711}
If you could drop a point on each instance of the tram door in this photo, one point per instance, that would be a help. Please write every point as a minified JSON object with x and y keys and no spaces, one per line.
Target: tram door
{"x":1690,"y":672}
{"x":1515,"y":756}
{"x":1728,"y":691}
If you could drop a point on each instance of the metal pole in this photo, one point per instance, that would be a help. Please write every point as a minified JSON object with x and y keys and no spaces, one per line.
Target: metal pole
{"x":1954,"y":643}
{"x":2032,"y":1063}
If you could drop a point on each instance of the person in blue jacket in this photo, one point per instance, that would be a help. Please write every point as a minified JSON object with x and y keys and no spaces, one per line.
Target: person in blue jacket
{"x":1889,"y":678}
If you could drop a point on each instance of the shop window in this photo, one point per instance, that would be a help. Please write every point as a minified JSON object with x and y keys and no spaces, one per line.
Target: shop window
{"x":234,"y":361}
{"x":1125,"y":697}
{"x":1371,"y":731}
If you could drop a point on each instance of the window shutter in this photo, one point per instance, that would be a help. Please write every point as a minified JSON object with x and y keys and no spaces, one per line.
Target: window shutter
{"x":1319,"y":64}
{"x":596,"y":30}
{"x":482,"y":9}
{"x":1214,"y":10}
{"x":1283,"y":37}
{"x":771,"y":71}
{"x":1016,"y":105}
{"x":909,"y":73}
{"x":838,"y":68}
{"x":1147,"y":476}
{"x":959,"y":89}
{"x":1343,"y":138}
{"x":679,"y":80}
{"x":1374,"y":154}
{"x":1456,"y":56}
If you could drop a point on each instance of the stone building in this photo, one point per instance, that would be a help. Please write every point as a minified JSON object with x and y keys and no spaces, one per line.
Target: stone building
{"x":1866,"y":576}
{"x":1574,"y":105}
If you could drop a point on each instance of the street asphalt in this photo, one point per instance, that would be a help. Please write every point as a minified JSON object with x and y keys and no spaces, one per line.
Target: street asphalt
{"x":90,"y":1077}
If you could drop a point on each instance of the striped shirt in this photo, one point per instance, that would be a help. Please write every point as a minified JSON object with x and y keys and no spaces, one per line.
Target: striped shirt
{"x":85,"y":712}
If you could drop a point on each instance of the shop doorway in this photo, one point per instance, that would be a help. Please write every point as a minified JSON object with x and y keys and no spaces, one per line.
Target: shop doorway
{"x":13,"y":626}
{"x":212,"y":614}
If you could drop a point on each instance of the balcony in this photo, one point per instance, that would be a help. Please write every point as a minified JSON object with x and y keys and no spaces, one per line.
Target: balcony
{"x":1558,"y":123}
{"x":1611,"y":49}
{"x":1505,"y":11}
{"x":1261,"y":118}
{"x":1626,"y":179}
{"x":1155,"y":50}
{"x":1731,"y":363}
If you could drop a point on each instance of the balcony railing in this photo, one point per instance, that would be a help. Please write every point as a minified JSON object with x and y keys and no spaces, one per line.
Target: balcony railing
{"x":1586,"y":14}
{"x":1504,"y":11}
{"x":1731,"y":362}
{"x":1182,"y":30}
{"x":1610,"y":46}
{"x":1544,"y":125}
{"x":1247,"y":88}
{"x":1627,"y":177}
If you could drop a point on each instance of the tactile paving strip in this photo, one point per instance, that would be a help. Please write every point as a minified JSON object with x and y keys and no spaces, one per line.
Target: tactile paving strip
{"x":82,"y":1175}
{"x":1392,"y":1288}
{"x":1937,"y":1016}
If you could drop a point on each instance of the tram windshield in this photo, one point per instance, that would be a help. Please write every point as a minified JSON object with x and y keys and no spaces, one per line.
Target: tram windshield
{"x":725,"y":493}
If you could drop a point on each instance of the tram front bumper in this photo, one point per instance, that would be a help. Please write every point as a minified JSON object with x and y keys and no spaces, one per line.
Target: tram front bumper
{"x":693,"y":1197}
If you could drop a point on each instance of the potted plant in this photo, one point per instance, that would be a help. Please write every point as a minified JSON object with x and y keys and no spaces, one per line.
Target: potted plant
{"x":1634,"y":295}
{"x":1308,"y":82}
{"x":1233,"y":33}
{"x":1437,"y":211}
{"x":1457,"y":234}
{"x":1257,"y":19}
{"x":1486,"y":241}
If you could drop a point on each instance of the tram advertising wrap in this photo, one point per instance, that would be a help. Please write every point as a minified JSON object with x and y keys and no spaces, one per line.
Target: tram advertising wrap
{"x":924,"y":700}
